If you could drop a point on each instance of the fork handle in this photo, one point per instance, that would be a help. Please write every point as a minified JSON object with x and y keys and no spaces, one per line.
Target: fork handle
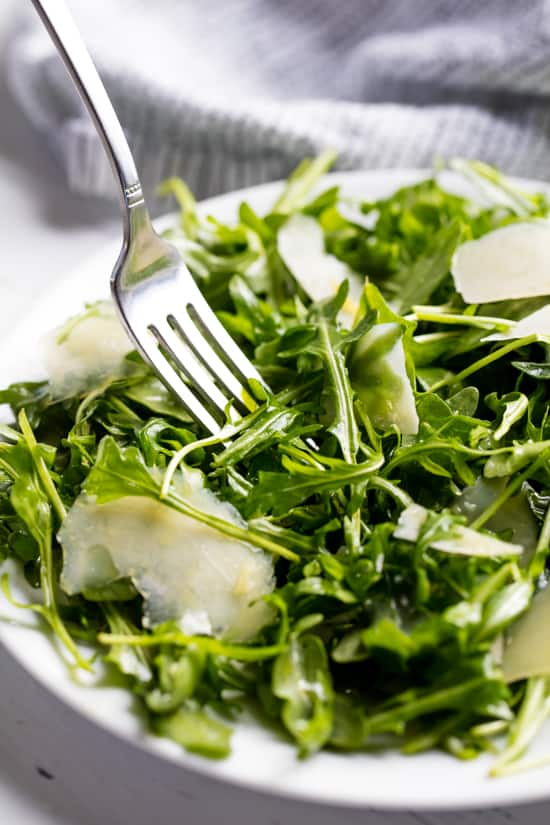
{"x":62,"y":29}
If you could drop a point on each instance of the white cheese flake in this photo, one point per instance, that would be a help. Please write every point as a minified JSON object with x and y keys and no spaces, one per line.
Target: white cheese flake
{"x":379,"y":376}
{"x":186,"y":571}
{"x":536,"y":323}
{"x":507,"y":263}
{"x":301,"y":245}
{"x":515,"y":516}
{"x":527,"y":647}
{"x":462,"y":541}
{"x":87,"y":350}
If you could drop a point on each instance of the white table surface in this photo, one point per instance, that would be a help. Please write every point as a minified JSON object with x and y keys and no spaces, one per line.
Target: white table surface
{"x":57,"y":768}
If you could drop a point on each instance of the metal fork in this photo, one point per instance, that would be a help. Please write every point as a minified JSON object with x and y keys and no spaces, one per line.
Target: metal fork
{"x":161,"y":307}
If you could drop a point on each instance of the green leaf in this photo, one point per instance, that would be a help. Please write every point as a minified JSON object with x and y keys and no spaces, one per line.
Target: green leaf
{"x":416,"y":283}
{"x":539,"y":371}
{"x":186,"y":201}
{"x":385,"y":635}
{"x":302,"y":180}
{"x":196,"y":731}
{"x":119,"y":472}
{"x":474,"y":692}
{"x":510,"y":408}
{"x":317,"y":586}
{"x":122,"y":472}
{"x":131,"y":661}
{"x":301,"y":678}
{"x":508,"y":461}
{"x":465,"y":401}
{"x":153,"y":395}
{"x":533,"y":713}
{"x":178,"y":678}
{"x":347,"y":724}
{"x":504,"y":607}
{"x":25,"y":464}
{"x":271,"y":425}
{"x":279,"y":492}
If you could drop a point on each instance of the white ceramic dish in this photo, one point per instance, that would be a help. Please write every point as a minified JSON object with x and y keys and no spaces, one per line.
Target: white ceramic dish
{"x":261,"y":759}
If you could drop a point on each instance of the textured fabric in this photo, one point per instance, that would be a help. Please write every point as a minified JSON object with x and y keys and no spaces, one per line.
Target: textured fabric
{"x":228,"y":93}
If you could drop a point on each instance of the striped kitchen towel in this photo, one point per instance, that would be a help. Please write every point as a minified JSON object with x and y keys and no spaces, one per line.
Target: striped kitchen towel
{"x":228,"y":93}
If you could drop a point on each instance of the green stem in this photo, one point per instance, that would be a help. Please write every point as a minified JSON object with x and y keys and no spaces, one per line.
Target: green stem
{"x":301,"y":181}
{"x":494,"y":582}
{"x":178,"y":457}
{"x":410,"y":453}
{"x":393,"y":490}
{"x":447,"y":698}
{"x":480,"y":321}
{"x":532,"y":714}
{"x":205,"y":643}
{"x":508,"y":491}
{"x":41,"y":468}
{"x":484,"y":362}
{"x":228,"y":529}
{"x":349,"y":438}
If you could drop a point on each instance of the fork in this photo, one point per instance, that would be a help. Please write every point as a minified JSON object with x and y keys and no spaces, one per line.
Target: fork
{"x":162,"y":309}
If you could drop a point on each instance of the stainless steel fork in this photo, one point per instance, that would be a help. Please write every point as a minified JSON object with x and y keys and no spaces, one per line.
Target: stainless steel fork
{"x":159,"y":304}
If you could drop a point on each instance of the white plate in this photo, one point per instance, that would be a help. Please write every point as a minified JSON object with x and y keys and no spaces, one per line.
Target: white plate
{"x":261,"y":759}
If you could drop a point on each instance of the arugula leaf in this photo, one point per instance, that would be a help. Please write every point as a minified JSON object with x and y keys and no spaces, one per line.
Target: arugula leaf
{"x":122,"y":472}
{"x":416,"y":283}
{"x":24,"y":464}
{"x":131,"y":661}
{"x":539,"y":371}
{"x":195,"y":730}
{"x":301,"y":181}
{"x":279,"y":492}
{"x":301,"y":679}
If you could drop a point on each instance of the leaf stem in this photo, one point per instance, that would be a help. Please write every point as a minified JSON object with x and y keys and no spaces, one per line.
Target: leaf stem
{"x":205,"y":643}
{"x":484,"y":362}
{"x":41,"y":468}
{"x":508,"y":491}
{"x":533,"y":712}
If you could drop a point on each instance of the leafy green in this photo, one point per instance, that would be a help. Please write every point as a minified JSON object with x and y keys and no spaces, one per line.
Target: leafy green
{"x":416,"y":283}
{"x":196,"y":731}
{"x":301,"y":679}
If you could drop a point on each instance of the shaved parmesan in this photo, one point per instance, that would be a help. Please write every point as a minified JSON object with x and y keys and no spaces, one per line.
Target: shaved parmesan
{"x":301,"y":245}
{"x":379,"y":376}
{"x":461,"y":540}
{"x":186,"y":571}
{"x":537,"y":323}
{"x":515,"y":515}
{"x":527,"y":648}
{"x":511,"y":262}
{"x":86,"y":351}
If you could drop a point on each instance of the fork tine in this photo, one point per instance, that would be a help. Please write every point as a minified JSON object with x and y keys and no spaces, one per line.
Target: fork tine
{"x":222,"y":338}
{"x":186,"y":361}
{"x":173,"y":381}
{"x":197,"y":343}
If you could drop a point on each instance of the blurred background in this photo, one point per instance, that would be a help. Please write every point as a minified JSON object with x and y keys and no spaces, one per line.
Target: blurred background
{"x":229,"y":94}
{"x":234,"y":93}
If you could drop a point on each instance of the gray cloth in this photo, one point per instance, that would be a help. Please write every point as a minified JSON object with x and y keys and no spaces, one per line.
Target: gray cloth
{"x":228,"y":93}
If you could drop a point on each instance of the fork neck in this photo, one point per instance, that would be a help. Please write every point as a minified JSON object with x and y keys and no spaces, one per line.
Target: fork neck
{"x":61,"y":27}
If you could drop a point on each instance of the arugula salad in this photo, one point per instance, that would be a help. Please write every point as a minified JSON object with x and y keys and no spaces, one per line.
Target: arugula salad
{"x":361,"y":560}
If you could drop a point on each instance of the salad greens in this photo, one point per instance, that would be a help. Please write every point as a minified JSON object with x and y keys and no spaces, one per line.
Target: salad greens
{"x":396,"y":478}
